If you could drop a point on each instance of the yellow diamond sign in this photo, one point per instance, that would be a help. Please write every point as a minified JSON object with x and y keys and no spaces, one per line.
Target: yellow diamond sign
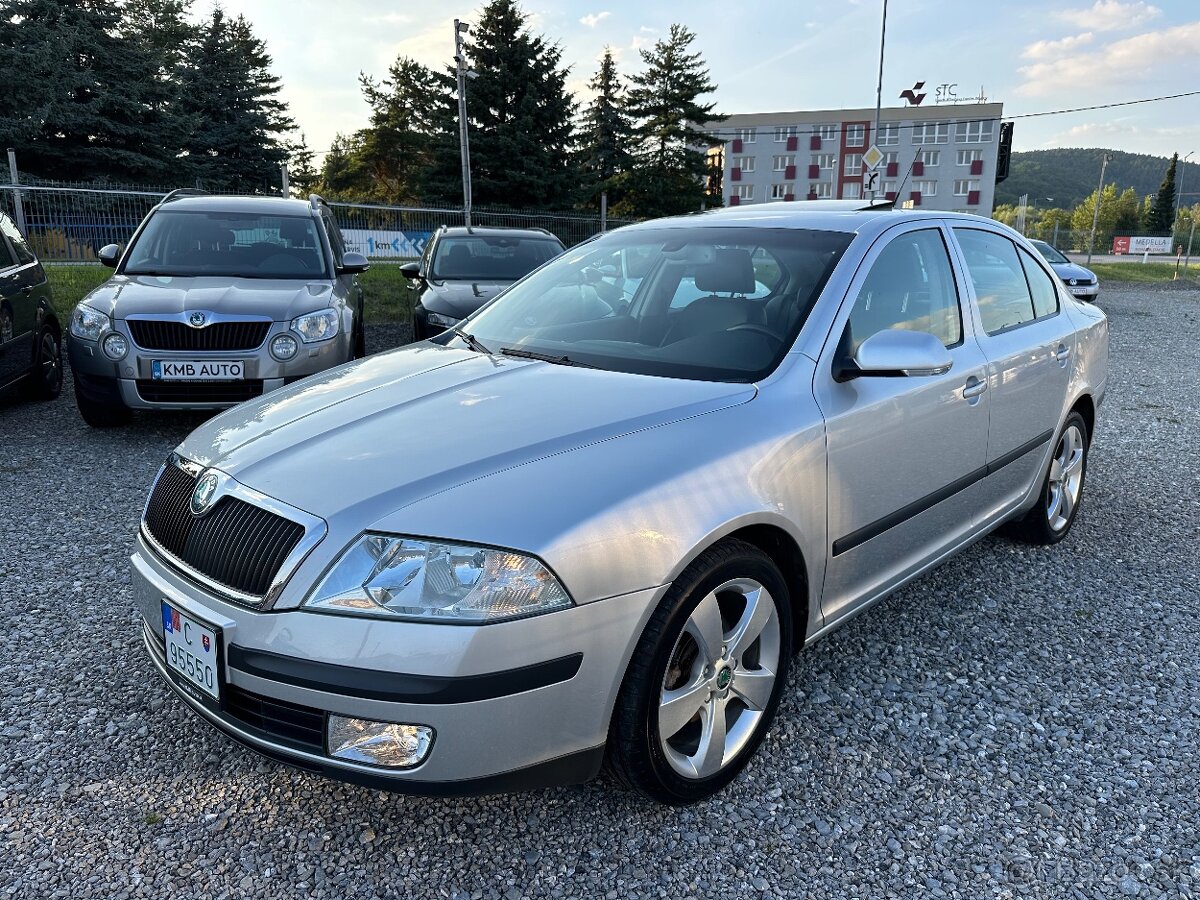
{"x":873,"y":157}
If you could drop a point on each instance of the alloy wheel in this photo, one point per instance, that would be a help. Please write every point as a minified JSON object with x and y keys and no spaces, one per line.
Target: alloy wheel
{"x":1066,"y":478}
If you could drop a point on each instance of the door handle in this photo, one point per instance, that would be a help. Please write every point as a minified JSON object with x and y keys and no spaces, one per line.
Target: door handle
{"x":27,"y":290}
{"x":974,"y":387}
{"x":1062,"y":353}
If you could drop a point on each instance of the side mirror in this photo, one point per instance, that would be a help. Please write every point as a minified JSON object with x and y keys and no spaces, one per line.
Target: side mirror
{"x":411,"y":271}
{"x":896,"y":352}
{"x":110,"y":255}
{"x":353,"y":263}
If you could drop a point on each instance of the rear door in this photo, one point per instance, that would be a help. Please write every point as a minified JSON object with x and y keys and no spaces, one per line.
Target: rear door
{"x":904,"y":453}
{"x":19,"y":275}
{"x":1028,"y":342}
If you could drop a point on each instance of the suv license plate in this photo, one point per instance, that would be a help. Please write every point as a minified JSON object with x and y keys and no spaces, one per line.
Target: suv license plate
{"x":193,"y":652}
{"x":197,"y":369}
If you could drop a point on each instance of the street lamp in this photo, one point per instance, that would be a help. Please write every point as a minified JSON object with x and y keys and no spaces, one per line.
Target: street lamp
{"x":464,"y":143}
{"x":1179,"y":193}
{"x":1096,"y":207}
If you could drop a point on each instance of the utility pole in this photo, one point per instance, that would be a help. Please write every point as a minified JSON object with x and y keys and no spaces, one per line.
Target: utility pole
{"x":461,"y":28}
{"x":1179,"y":193}
{"x":603,"y":211}
{"x":18,"y":206}
{"x":287,"y":188}
{"x":878,"y":87}
{"x":1096,"y":208}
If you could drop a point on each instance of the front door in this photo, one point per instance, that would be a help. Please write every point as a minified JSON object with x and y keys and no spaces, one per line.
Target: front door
{"x":904,"y":453}
{"x":16,"y":340}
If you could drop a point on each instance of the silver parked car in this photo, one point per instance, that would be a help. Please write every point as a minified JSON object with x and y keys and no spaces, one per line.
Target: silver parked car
{"x":595,"y":521}
{"x":216,"y":300}
{"x":1080,"y":281}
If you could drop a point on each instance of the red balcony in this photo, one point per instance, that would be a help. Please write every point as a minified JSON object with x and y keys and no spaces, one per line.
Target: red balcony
{"x":918,"y":169}
{"x":793,"y":144}
{"x":977,"y":167}
{"x":789,"y":197}
{"x":812,"y":195}
{"x":891,"y":195}
{"x":814,"y":142}
{"x":735,"y":200}
{"x":737,"y":145}
{"x":915,"y":197}
{"x":789,"y":173}
{"x":814,"y":171}
{"x":893,"y":169}
{"x":735,"y":174}
{"x":972,"y":198}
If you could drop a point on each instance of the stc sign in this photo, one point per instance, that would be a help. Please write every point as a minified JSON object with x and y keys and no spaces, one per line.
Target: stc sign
{"x":943,"y":93}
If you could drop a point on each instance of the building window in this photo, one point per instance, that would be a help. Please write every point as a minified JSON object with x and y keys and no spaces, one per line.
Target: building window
{"x":966,"y":157}
{"x":745,"y":192}
{"x":856,"y":135}
{"x":853,"y":164}
{"x":781,"y":191}
{"x":852,"y":191}
{"x":826,"y":132}
{"x":745,"y":163}
{"x":973,"y":132}
{"x":930,"y":157}
{"x":783,"y":132}
{"x":889,"y":134}
{"x":823,"y":190}
{"x":782,"y":162}
{"x":889,"y":187}
{"x":932,"y":133}
{"x":892,"y":156}
{"x":964,"y":187}
{"x":925,"y":188}
{"x":746,"y":135}
{"x":824,"y":160}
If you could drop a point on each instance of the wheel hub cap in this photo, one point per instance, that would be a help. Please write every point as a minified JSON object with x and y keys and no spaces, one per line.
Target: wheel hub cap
{"x":724,"y":678}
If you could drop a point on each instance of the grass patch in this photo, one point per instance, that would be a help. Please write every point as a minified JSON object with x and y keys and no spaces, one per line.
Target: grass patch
{"x":388,"y":296}
{"x":1143,"y":273}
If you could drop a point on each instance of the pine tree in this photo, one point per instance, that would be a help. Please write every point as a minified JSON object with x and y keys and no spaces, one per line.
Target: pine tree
{"x":520,"y":118}
{"x":231,"y":103}
{"x":302,"y":175}
{"x":397,"y":146}
{"x":665,"y":99}
{"x":606,"y":139}
{"x":1162,"y":213}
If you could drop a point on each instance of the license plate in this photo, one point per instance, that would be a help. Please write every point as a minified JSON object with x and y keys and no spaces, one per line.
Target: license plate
{"x":193,"y":652}
{"x":197,"y":369}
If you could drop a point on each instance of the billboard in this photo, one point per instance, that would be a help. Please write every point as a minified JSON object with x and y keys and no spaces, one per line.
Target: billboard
{"x":1141,"y":244}
{"x":385,"y":244}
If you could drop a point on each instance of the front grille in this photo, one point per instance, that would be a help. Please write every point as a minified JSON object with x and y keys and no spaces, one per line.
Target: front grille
{"x":236,"y":544}
{"x":199,"y":391}
{"x":301,"y":727}
{"x":156,"y":335}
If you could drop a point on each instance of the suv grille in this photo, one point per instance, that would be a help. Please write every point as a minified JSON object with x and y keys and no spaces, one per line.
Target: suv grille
{"x":235,"y":544}
{"x":199,"y":391}
{"x":155,"y":335}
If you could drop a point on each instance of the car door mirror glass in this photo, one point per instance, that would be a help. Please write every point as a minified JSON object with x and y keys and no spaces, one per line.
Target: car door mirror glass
{"x":109,"y":255}
{"x":897,"y":352}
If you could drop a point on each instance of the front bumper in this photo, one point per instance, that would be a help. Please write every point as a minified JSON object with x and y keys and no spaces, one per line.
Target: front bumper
{"x":1084,"y":291}
{"x":130,"y":380}
{"x":514,"y":705}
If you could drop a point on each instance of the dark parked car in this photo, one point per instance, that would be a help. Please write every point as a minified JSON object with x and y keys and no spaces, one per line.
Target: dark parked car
{"x":1081,"y":282}
{"x":30,"y":336}
{"x":462,"y":268}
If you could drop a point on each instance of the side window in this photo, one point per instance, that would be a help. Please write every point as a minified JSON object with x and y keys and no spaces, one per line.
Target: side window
{"x":999,"y":279}
{"x":335,"y":239}
{"x":1045,"y":294}
{"x":7,"y":260}
{"x":19,"y":247}
{"x":910,"y":286}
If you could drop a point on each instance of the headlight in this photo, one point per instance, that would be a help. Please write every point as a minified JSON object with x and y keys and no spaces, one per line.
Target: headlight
{"x":283,"y":347}
{"x":430,"y":581}
{"x":115,"y":346}
{"x":442,"y":321}
{"x":89,"y":324}
{"x":318,"y":326}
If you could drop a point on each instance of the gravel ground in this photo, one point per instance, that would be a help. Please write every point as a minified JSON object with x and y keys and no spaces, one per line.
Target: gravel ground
{"x":1021,"y":722}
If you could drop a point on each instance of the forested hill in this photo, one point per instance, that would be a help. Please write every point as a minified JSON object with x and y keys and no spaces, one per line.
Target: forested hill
{"x":1070,"y":175}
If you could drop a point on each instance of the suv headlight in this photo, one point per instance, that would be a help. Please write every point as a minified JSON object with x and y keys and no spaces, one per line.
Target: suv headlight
{"x":88,"y":323}
{"x":432,"y":581}
{"x":318,"y":326}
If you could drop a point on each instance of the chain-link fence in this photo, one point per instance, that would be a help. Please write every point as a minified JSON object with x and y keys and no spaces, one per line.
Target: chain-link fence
{"x":1160,"y":245}
{"x":71,"y":223}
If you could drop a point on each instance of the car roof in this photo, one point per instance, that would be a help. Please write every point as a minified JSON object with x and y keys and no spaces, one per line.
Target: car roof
{"x":275,"y":206}
{"x":495,"y":231}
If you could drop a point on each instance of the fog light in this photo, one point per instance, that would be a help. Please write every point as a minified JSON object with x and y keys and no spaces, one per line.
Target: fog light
{"x":283,"y":347}
{"x":389,"y":744}
{"x":115,"y":346}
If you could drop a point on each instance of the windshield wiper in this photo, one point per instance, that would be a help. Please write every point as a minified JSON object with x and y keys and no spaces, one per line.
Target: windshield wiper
{"x":473,"y":342}
{"x":545,"y":357}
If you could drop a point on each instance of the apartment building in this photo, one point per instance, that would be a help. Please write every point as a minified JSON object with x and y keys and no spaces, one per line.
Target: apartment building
{"x":936,"y":157}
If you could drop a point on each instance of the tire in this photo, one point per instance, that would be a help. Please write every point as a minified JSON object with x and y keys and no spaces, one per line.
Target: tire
{"x":360,"y":340}
{"x":1047,"y":523}
{"x":671,"y":673}
{"x":45,"y":380}
{"x":101,"y":415}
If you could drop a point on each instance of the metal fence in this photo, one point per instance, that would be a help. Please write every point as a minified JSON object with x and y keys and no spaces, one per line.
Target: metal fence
{"x":71,"y":223}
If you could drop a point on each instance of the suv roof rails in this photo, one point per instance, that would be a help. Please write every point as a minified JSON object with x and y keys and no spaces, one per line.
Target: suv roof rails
{"x":184,"y":192}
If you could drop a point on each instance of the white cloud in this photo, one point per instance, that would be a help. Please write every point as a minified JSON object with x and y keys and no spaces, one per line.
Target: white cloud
{"x":1121,"y":62}
{"x":1052,"y":49}
{"x":1110,"y":15}
{"x":591,"y":20}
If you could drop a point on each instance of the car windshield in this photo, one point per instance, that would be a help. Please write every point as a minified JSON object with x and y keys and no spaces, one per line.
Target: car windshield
{"x":714,"y":304}
{"x":480,"y":257}
{"x":229,"y":244}
{"x":1051,"y":255}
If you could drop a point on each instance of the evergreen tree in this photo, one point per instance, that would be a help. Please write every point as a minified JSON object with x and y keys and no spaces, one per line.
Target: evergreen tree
{"x":1162,"y":213}
{"x":231,"y":103}
{"x":606,"y":140}
{"x":665,"y":99}
{"x":344,"y":175}
{"x":519,"y":115}
{"x":302,"y":175}
{"x":397,"y":146}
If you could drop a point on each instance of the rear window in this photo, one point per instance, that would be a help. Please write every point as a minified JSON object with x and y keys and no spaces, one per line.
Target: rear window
{"x":479,"y":257}
{"x":236,"y":245}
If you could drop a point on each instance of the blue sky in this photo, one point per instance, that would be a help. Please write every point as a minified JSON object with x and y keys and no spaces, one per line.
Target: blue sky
{"x":1032,"y":55}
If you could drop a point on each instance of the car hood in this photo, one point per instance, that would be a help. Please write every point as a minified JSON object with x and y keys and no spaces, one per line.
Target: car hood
{"x":379,"y":433}
{"x":280,"y":299}
{"x":1070,"y":270}
{"x":460,"y":298}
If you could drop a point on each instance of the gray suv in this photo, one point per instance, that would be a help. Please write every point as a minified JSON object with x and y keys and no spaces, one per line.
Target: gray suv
{"x":216,"y":300}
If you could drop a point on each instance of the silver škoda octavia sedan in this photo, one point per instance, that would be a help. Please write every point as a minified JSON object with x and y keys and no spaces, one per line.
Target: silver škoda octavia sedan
{"x":595,"y":521}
